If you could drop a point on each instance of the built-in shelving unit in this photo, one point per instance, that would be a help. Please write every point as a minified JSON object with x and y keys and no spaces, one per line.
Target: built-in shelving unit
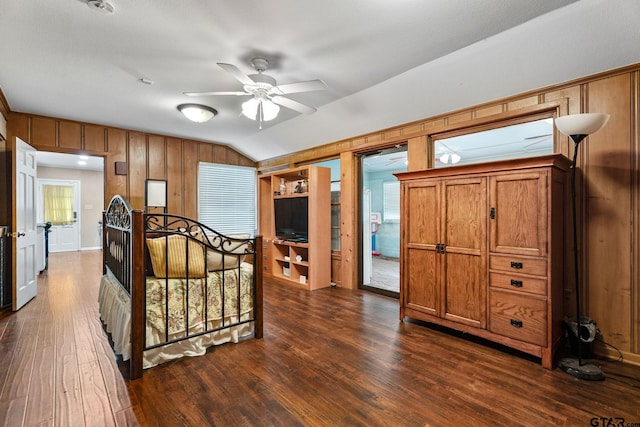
{"x":300,"y":262}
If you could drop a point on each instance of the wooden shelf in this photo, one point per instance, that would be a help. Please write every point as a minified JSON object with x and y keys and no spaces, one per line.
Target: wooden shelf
{"x":313,"y":270}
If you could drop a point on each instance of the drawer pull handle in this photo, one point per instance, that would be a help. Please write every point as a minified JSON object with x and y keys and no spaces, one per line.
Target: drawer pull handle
{"x":516,"y":323}
{"x":517,"y":265}
{"x":516,"y":283}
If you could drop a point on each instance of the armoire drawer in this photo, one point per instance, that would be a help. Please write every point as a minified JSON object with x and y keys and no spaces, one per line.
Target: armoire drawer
{"x":517,"y":282}
{"x":518,"y":316}
{"x":517,"y":264}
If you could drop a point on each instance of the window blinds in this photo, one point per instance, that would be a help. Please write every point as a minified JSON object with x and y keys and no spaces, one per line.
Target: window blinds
{"x":227,"y":198}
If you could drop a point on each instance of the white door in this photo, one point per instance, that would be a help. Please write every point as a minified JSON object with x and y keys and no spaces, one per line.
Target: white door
{"x":24,"y":226}
{"x":66,"y":236}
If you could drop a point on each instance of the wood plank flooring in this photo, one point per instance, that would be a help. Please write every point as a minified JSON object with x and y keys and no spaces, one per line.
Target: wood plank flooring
{"x":331,"y":357}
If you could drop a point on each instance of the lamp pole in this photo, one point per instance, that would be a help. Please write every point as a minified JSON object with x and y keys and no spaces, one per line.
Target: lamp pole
{"x":576,"y":139}
{"x":577,"y":127}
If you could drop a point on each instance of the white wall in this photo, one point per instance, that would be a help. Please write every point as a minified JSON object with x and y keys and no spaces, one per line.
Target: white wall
{"x":91,"y":200}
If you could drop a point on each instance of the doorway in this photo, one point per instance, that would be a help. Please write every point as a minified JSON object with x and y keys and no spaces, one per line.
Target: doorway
{"x":60,"y":206}
{"x":380,"y":219}
{"x":88,"y":172}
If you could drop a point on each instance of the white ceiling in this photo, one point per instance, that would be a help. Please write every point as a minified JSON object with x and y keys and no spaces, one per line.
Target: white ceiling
{"x":69,"y":161}
{"x":385,"y":62}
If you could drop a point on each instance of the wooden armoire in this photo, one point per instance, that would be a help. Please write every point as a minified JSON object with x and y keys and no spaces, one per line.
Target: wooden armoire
{"x":482,"y":250}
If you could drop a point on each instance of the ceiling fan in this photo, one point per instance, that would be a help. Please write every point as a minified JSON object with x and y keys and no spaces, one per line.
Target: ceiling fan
{"x":266,"y":95}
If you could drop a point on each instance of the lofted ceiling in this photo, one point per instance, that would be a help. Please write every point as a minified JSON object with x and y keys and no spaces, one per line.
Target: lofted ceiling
{"x":385,"y":62}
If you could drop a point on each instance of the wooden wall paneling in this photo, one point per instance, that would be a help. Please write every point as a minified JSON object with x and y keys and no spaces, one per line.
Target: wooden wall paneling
{"x":174,"y":176}
{"x":608,"y":212}
{"x":137,"y":168}
{"x":156,"y":158}
{"x":417,"y":153}
{"x":349,"y":220}
{"x":336,"y":268}
{"x":570,"y":103}
{"x":117,"y":149}
{"x":374,"y":138}
{"x":523,"y":103}
{"x":43,"y":132}
{"x":392,"y":134}
{"x":412,"y":129}
{"x":220,"y":154}
{"x":69,"y":134}
{"x":205,"y":153}
{"x":190,"y":175}
{"x":489,"y":110}
{"x":5,"y":179}
{"x":94,"y":138}
{"x":462,"y":117}
{"x":18,"y":125}
{"x":635,"y":262}
{"x":233,"y":157}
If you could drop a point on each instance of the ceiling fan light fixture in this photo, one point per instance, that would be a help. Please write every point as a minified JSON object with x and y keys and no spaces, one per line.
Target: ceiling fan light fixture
{"x":455,"y":158}
{"x":445,"y":158}
{"x":251,"y":109}
{"x":101,"y":6}
{"x":197,"y":112}
{"x":269,"y":110}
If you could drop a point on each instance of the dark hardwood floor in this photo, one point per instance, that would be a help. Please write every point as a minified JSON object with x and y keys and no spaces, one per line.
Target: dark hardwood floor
{"x":331,"y":357}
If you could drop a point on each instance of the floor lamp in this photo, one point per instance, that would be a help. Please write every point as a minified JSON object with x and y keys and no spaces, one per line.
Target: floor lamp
{"x":577,"y":127}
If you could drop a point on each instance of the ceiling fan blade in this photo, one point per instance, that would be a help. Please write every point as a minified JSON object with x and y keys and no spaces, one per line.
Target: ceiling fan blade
{"x":307,"y":86}
{"x":293,"y":105}
{"x":215,"y":93}
{"x":235,"y":71}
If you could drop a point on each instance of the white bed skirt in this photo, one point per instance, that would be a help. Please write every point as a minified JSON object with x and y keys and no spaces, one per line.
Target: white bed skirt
{"x":115,"y":312}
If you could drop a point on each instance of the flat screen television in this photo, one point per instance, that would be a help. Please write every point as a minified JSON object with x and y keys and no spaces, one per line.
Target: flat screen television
{"x":292,"y":218}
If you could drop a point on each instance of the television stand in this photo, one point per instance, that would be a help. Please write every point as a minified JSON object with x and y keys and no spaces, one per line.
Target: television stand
{"x":295,"y":255}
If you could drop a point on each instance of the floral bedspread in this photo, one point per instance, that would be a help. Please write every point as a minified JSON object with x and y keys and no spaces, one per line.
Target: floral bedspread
{"x":156,"y":302}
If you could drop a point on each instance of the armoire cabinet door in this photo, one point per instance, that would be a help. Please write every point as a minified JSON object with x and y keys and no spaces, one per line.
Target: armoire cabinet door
{"x":518,"y":203}
{"x":422,"y":230}
{"x":464,"y":234}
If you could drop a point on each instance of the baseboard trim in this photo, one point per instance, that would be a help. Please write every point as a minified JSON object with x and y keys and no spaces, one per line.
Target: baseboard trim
{"x":611,"y":354}
{"x":92,"y":248}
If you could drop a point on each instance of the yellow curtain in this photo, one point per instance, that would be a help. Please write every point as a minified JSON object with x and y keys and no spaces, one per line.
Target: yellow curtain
{"x":58,"y":204}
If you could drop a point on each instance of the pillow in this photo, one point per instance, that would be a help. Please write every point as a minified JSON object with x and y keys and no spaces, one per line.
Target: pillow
{"x":214,"y":258}
{"x":177,"y":254}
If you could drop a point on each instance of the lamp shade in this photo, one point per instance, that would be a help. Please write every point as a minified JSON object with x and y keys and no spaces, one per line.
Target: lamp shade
{"x":197,"y":113}
{"x":581,"y":124}
{"x":269,"y":110}
{"x":251,"y":110}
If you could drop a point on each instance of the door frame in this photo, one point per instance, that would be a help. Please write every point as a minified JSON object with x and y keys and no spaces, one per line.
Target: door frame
{"x":400,"y":147}
{"x":76,"y":204}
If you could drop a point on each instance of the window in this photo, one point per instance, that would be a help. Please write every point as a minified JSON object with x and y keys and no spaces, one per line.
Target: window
{"x":58,"y":204}
{"x":509,"y":141}
{"x":391,"y":201}
{"x":227,"y":198}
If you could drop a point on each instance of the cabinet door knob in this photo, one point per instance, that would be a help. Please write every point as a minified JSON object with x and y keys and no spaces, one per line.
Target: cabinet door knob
{"x":516,"y":323}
